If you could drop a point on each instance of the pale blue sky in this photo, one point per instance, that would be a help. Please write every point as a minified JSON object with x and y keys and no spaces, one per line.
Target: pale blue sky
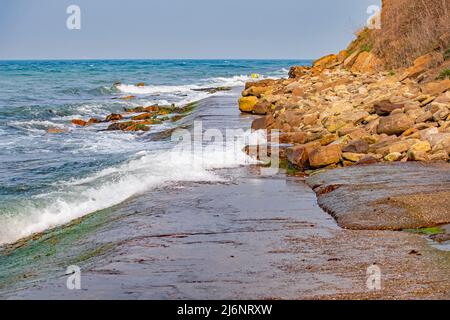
{"x":118,"y":29}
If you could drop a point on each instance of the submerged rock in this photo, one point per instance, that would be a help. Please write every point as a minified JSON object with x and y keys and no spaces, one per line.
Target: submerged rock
{"x":129,"y":126}
{"x":114,"y":117}
{"x":79,"y":122}
{"x":56,"y":130}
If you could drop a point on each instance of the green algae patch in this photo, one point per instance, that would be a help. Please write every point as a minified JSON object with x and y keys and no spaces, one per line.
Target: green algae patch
{"x":426,"y":231}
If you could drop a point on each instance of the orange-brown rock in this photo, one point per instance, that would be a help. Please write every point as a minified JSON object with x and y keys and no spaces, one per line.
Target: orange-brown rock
{"x":142,"y":116}
{"x":79,"y":122}
{"x":293,"y":137}
{"x":114,"y":117}
{"x":324,"y":156}
{"x":93,"y":121}
{"x":421,"y":64}
{"x":261,"y":83}
{"x":435,"y":88}
{"x":342,"y":55}
{"x":247,"y":104}
{"x":298,"y":71}
{"x":56,"y":130}
{"x":350,"y":60}
{"x":262,"y":123}
{"x":356,"y":146}
{"x":395,"y":124}
{"x":257,"y":91}
{"x":299,"y":155}
{"x":262,"y":107}
{"x":127,"y":98}
{"x":325,"y":62}
{"x":385,"y":107}
{"x":366,"y":62}
{"x":129,"y":126}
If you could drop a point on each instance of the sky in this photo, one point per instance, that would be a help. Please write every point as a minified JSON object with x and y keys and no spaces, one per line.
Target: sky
{"x":179,"y":29}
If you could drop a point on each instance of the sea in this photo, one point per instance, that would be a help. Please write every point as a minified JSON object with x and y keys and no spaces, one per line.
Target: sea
{"x":50,"y":179}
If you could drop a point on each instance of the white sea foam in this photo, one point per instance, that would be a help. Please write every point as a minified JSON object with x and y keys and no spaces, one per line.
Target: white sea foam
{"x":183,"y":94}
{"x":36,"y":126}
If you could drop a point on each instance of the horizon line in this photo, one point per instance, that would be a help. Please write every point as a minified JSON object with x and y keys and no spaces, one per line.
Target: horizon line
{"x":148,"y":59}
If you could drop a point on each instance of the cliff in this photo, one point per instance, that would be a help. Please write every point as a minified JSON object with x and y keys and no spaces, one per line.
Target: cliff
{"x":409,"y":29}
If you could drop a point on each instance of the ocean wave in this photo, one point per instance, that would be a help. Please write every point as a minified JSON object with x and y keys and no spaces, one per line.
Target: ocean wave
{"x":36,"y":126}
{"x":112,"y":186}
{"x":155,"y":90}
{"x":183,"y":94}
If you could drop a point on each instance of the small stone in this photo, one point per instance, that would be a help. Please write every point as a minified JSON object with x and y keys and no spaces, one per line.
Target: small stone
{"x":422,"y":146}
{"x":366,"y":160}
{"x":441,"y":155}
{"x":385,"y":107}
{"x":356,"y":146}
{"x":79,"y":122}
{"x":262,"y":123}
{"x":143,"y":116}
{"x":114,"y":117}
{"x":417,"y":156}
{"x":262,"y":107}
{"x":354,"y":157}
{"x":394,"y":156}
{"x":56,"y":130}
{"x":426,"y":116}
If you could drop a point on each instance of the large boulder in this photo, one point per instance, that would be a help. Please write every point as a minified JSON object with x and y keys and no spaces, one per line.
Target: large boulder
{"x":262,"y":123}
{"x":435,"y":88}
{"x":299,"y":155}
{"x":114,"y":117}
{"x":350,"y":60}
{"x":298,"y":71}
{"x":324,"y":156}
{"x":325,"y":62}
{"x":247,"y":104}
{"x":257,"y":91}
{"x":385,"y":107}
{"x":79,"y":122}
{"x":293,"y":137}
{"x":366,"y":62}
{"x":421,"y":64}
{"x":356,"y":146}
{"x":262,"y":107}
{"x":395,"y":124}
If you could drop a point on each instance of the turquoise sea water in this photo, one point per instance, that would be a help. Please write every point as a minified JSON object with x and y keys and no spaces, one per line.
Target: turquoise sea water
{"x":50,"y":179}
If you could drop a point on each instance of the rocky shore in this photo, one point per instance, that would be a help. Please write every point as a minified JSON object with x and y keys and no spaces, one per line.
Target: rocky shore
{"x":345,"y":110}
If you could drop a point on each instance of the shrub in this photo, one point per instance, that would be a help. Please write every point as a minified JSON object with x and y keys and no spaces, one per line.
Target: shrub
{"x":447,"y":54}
{"x":444,"y":74}
{"x":411,"y":28}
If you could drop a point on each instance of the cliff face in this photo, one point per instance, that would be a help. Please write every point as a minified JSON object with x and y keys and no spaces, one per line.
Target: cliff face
{"x":409,"y":29}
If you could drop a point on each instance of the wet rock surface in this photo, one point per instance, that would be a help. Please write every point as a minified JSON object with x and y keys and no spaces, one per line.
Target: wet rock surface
{"x":386,"y":196}
{"x":250,"y":237}
{"x":240,"y":246}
